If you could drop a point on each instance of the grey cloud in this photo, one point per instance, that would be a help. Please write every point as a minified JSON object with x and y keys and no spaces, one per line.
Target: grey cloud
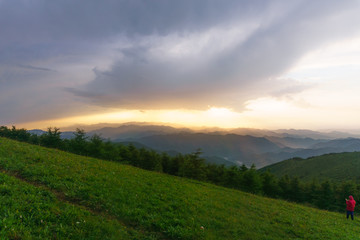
{"x":36,"y":68}
{"x":245,"y":70}
{"x":34,"y":32}
{"x":30,"y":95}
{"x":69,"y":21}
{"x":38,"y":30}
{"x":32,"y":101}
{"x":289,"y":86}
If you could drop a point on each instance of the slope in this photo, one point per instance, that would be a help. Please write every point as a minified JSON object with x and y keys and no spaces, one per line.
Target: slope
{"x":29,"y":212}
{"x":156,"y":206}
{"x":335,"y":166}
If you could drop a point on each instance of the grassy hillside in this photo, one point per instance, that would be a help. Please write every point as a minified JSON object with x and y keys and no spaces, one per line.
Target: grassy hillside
{"x":49,"y":194}
{"x":336,"y":166}
{"x":29,"y":212}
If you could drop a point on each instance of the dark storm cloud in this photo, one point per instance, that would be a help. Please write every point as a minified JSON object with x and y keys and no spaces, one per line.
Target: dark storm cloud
{"x":37,"y":68}
{"x":91,"y":19}
{"x":245,"y":69}
{"x":42,"y":29}
{"x":212,"y":67}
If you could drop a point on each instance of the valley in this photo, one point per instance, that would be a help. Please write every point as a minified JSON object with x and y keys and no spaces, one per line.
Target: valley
{"x":229,"y":147}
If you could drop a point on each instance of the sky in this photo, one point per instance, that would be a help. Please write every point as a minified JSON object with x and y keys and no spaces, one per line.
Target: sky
{"x":271,"y":64}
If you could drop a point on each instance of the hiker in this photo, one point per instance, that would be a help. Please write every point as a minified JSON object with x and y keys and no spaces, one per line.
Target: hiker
{"x":350,"y":205}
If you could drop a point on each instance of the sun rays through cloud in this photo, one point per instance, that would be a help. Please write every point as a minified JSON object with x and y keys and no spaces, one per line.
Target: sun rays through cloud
{"x":228,"y":64}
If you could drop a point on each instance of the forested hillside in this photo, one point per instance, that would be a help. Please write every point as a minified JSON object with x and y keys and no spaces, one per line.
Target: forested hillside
{"x":335,"y":166}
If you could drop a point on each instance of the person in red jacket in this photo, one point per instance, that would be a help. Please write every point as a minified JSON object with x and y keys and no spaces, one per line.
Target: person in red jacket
{"x":350,"y":206}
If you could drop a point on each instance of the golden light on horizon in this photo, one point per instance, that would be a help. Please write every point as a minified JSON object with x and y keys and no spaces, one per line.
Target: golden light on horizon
{"x":212,"y":117}
{"x":263,"y":113}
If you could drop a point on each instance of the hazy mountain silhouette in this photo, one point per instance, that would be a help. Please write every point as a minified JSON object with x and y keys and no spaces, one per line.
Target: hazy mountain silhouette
{"x":228,"y":147}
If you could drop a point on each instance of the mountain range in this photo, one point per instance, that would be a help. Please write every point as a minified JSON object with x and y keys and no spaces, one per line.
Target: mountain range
{"x":229,"y":146}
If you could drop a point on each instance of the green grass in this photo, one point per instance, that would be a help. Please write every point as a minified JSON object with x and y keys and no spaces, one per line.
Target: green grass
{"x":124,"y":202}
{"x":335,"y":166}
{"x":28,"y":212}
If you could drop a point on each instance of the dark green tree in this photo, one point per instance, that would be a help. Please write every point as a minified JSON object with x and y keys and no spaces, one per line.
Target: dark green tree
{"x":78,"y":142}
{"x":216,"y":174}
{"x":270,"y":186}
{"x":193,"y":166}
{"x":96,"y":146}
{"x":243,"y":168}
{"x":285,"y":187}
{"x":20,"y":134}
{"x":312,"y":192}
{"x":326,"y":196}
{"x":166,"y":163}
{"x":110,"y":151}
{"x":251,"y":181}
{"x":176,"y":164}
{"x":134,"y":156}
{"x":52,"y":138}
{"x":296,"y":190}
{"x":233,"y":177}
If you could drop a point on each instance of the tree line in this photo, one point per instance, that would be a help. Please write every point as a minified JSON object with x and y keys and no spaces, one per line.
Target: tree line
{"x":325,"y":195}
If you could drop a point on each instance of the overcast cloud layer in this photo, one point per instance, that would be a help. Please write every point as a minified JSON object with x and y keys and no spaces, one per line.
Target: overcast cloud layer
{"x":61,"y":58}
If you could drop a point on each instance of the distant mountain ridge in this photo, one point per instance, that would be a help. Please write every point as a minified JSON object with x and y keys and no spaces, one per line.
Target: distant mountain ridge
{"x":64,"y":135}
{"x":130,"y":131}
{"x":234,"y":148}
{"x":295,"y":142}
{"x":229,"y":146}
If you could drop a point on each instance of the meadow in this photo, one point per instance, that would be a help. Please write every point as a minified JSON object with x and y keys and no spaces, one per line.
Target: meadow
{"x":50,"y":194}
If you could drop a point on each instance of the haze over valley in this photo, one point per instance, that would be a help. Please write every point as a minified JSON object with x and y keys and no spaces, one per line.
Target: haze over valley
{"x":227,"y":146}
